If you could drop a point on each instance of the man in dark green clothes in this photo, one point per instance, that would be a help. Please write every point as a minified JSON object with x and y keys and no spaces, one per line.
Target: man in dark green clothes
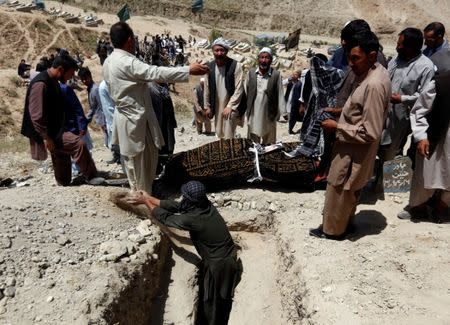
{"x":220,"y":270}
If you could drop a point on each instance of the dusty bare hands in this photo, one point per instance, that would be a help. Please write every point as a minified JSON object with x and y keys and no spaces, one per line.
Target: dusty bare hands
{"x":144,"y":194}
{"x":136,"y":198}
{"x":198,"y":69}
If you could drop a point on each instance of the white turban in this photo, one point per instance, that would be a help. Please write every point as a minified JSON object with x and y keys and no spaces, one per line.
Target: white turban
{"x":221,"y":42}
{"x":266,"y":50}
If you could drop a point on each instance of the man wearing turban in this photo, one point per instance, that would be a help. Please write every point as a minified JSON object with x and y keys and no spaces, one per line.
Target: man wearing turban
{"x":223,"y":90}
{"x":265,"y":100}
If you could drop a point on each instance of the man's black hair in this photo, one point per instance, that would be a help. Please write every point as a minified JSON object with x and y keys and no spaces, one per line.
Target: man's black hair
{"x":413,"y":38}
{"x":65,"y":61}
{"x":354,"y":27}
{"x":437,"y":28}
{"x":119,"y":34}
{"x":84,"y":72}
{"x":366,"y":40}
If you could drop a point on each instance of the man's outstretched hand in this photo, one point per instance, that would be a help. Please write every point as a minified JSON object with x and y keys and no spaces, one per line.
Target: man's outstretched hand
{"x":198,"y":69}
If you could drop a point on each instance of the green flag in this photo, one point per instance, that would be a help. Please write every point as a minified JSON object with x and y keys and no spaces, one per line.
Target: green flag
{"x":124,"y":13}
{"x":197,"y":6}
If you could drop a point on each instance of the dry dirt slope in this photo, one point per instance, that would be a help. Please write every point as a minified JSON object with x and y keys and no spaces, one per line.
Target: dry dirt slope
{"x":323,"y":17}
{"x":31,"y":36}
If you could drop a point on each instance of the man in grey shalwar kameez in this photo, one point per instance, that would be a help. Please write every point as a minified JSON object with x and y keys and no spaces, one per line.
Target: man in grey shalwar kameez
{"x":430,"y":118}
{"x":410,"y":71}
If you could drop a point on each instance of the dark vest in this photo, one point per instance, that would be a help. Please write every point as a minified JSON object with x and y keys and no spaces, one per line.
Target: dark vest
{"x":271,"y":91}
{"x":230,"y":67}
{"x":439,"y":117}
{"x":289,"y":87}
{"x":52,"y":109}
{"x":199,"y":93}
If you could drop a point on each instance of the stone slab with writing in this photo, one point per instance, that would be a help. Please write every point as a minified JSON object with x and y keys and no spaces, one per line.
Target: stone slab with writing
{"x":397,"y":175}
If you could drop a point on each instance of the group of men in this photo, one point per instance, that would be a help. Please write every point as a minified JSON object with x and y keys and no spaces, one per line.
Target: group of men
{"x":382,"y":107}
{"x":225,"y":95}
{"x":161,"y":47}
{"x":371,"y":113}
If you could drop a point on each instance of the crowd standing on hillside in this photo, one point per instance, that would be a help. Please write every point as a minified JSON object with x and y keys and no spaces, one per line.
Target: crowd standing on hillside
{"x":354,"y":107}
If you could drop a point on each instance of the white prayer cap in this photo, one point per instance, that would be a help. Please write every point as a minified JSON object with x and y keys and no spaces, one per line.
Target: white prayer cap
{"x":266,"y":50}
{"x":221,"y":42}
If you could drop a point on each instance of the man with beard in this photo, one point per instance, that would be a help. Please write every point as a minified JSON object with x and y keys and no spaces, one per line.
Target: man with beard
{"x":223,"y":90}
{"x":357,"y":136}
{"x":430,"y":120}
{"x":265,"y":100}
{"x":220,"y":270}
{"x":44,"y":120}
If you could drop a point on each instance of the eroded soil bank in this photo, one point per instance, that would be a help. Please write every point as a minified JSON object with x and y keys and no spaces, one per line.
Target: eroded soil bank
{"x":257,"y":298}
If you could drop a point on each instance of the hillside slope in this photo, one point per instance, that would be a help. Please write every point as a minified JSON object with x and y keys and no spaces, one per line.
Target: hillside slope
{"x":316,"y":17}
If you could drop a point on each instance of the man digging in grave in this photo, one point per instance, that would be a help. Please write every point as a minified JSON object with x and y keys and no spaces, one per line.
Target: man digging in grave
{"x":219,"y":269}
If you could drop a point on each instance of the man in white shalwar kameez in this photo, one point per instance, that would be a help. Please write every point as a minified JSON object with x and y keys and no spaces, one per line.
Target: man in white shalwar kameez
{"x":430,"y":119}
{"x":223,"y":90}
{"x":135,"y":127}
{"x":265,"y":100}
